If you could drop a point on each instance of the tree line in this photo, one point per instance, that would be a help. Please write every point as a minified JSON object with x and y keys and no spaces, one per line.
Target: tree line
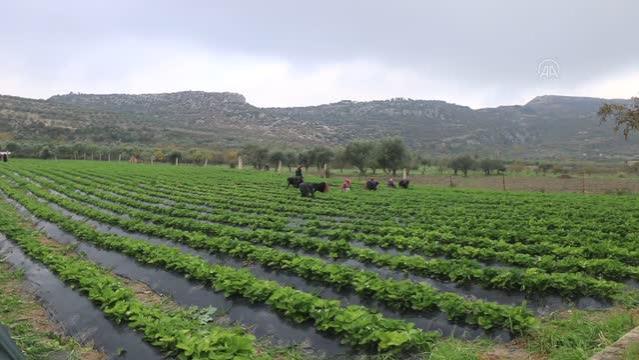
{"x":87,"y":151}
{"x":367,"y":156}
{"x":388,"y":154}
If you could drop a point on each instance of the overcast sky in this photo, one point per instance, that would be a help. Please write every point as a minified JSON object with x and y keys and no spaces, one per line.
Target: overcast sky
{"x":283,"y":53}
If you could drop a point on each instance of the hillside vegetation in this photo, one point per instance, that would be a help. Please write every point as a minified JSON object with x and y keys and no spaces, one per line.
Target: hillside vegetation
{"x":547,"y":126}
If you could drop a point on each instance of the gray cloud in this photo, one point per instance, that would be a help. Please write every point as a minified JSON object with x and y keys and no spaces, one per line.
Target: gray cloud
{"x":476,"y":52}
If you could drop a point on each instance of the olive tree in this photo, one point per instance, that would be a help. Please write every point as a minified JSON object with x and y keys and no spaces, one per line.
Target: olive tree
{"x":626,"y":117}
{"x":359,"y":154}
{"x":392,"y":154}
{"x":463,"y":163}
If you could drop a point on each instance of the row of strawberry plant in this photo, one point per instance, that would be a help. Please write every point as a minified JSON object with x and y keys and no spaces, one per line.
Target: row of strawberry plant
{"x":356,"y":325}
{"x":176,"y":332}
{"x":603,"y":250}
{"x":542,"y":235}
{"x":588,"y":215}
{"x":401,"y":295}
{"x":531,"y":280}
{"x":551,"y":258}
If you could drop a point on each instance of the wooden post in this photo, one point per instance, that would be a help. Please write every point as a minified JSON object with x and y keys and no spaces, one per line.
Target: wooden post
{"x":100,"y":156}
{"x":177,"y":160}
{"x":85,"y":156}
{"x":583,"y":182}
{"x":324,"y":170}
{"x":206,"y":161}
{"x":108,"y":156}
{"x":239,"y":162}
{"x":450,"y":179}
{"x":503,"y":181}
{"x":404,"y":174}
{"x":279,"y":165}
{"x":120,"y":157}
{"x":152,"y":160}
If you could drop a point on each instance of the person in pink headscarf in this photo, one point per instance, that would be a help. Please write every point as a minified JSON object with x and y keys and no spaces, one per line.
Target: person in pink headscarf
{"x":346,"y":185}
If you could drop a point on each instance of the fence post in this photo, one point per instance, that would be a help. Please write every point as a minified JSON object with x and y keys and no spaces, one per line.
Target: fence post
{"x":583,"y":182}
{"x":404,"y":174}
{"x":503,"y":181}
{"x":279,"y":166}
{"x":177,"y":160}
{"x":450,"y":179}
{"x":239,"y":162}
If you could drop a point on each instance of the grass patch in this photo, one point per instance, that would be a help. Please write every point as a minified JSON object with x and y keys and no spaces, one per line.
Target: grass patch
{"x":454,"y":349}
{"x":30,"y":328}
{"x":577,"y":335}
{"x":632,"y":353}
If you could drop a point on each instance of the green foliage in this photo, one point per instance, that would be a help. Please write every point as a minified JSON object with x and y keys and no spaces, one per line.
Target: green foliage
{"x":176,"y":333}
{"x":572,"y":246}
{"x":359,"y":154}
{"x":255,"y":155}
{"x":371,"y":329}
{"x":391,"y":154}
{"x":463,"y":163}
{"x":579,"y":334}
{"x":626,"y":117}
{"x":488,"y":165}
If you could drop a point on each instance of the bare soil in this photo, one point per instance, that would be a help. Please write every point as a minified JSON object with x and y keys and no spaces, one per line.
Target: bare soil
{"x":549,"y":183}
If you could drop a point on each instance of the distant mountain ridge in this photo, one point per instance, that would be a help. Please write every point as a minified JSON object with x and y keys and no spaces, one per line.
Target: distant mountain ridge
{"x":547,"y":126}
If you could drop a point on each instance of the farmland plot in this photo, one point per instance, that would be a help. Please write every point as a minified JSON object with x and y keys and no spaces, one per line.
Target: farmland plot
{"x":396,"y":272}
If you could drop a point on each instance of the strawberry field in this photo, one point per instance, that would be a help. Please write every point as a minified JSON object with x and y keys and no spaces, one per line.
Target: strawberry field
{"x":394,"y":272}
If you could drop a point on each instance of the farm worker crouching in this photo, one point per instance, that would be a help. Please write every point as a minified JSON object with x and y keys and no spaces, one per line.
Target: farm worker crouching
{"x":298,"y":172}
{"x":346,"y":185}
{"x":372,"y":184}
{"x":391,"y":183}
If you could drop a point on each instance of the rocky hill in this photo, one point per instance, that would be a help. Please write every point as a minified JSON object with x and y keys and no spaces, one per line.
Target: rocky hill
{"x":547,"y":126}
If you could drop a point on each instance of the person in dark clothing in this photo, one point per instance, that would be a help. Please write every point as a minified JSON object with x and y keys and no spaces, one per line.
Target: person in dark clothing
{"x":298,"y":172}
{"x":5,"y":157}
{"x":309,"y":189}
{"x":294,"y":181}
{"x":372,"y":184}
